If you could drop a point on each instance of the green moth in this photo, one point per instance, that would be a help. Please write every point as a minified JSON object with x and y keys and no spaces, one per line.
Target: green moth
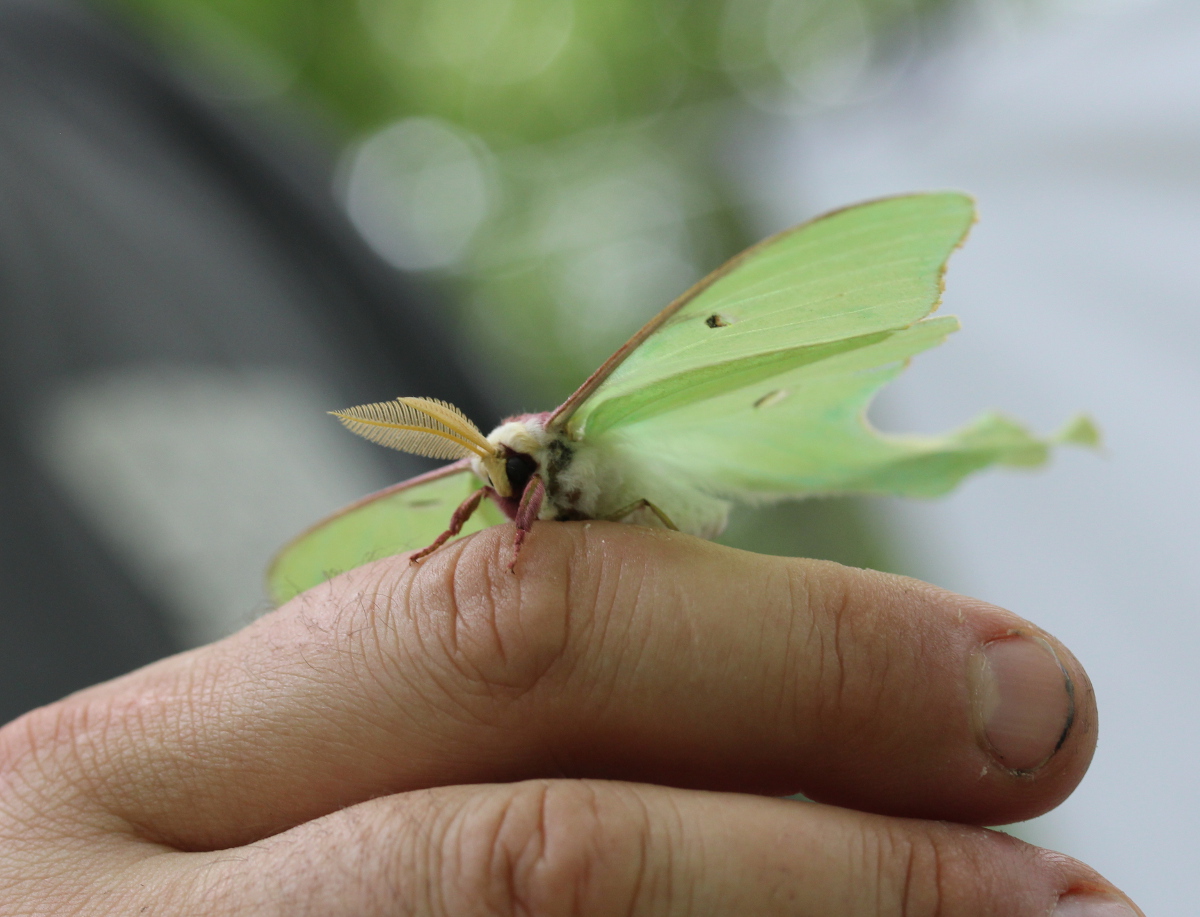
{"x":752,"y":386}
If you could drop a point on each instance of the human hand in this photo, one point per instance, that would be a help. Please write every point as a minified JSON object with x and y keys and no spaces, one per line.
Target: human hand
{"x":581,"y":738}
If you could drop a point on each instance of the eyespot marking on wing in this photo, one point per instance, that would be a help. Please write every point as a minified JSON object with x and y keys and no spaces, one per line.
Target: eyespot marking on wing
{"x":771,"y":398}
{"x":717,"y":320}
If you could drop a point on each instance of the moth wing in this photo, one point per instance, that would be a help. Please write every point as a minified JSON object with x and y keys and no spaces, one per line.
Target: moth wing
{"x":827,"y":286}
{"x":755,"y":384}
{"x":804,"y":432}
{"x":404,"y":517}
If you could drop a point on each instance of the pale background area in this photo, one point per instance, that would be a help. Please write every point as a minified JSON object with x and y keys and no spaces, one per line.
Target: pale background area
{"x":196,"y":475}
{"x":1078,"y":130}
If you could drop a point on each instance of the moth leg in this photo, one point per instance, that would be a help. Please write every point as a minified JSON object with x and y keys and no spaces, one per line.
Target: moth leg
{"x":464,"y":512}
{"x":527,"y":512}
{"x":642,"y":504}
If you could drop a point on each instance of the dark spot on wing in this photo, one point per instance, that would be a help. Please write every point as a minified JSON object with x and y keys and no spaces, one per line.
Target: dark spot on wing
{"x":717,"y":320}
{"x":770,"y":398}
{"x":424,"y":503}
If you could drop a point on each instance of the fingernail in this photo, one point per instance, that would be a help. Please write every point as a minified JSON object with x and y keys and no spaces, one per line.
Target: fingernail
{"x":1092,"y":906}
{"x":1024,"y":700}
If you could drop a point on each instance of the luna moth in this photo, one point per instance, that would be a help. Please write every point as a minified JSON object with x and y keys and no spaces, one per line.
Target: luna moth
{"x":752,"y":386}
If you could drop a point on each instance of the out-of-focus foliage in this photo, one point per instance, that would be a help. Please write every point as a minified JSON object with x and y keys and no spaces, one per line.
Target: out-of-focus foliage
{"x":555,"y":160}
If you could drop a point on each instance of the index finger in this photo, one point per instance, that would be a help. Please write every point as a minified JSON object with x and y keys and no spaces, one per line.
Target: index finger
{"x":615,"y":652}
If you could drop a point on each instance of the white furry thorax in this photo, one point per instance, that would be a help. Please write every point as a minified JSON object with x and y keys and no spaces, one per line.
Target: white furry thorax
{"x":593,"y":480}
{"x":572,"y":490}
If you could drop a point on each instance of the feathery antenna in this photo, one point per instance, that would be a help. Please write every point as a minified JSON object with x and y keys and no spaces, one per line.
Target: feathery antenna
{"x":422,"y":426}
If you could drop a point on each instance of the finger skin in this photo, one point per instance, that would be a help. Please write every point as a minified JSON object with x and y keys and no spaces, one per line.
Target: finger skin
{"x":582,"y":849}
{"x":614,"y":652}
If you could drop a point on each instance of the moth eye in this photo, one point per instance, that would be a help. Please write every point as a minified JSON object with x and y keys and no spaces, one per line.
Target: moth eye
{"x":519,"y":468}
{"x":717,"y":320}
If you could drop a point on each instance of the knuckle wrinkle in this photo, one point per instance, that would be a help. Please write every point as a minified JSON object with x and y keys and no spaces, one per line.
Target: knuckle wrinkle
{"x":501,"y":632}
{"x":549,"y":849}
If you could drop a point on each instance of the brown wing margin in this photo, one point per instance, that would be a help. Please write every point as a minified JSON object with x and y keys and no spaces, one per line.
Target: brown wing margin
{"x":445,"y":471}
{"x":562,"y":414}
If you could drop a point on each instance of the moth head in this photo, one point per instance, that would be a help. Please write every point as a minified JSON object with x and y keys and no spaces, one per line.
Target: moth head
{"x":518,"y":444}
{"x":506,"y":460}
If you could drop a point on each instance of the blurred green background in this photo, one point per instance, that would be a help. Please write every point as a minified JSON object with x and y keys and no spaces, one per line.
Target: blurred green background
{"x":559,"y":168}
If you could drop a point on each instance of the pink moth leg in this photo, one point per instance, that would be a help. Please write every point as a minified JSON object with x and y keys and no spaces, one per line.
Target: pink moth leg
{"x":527,"y":512}
{"x":457,"y":521}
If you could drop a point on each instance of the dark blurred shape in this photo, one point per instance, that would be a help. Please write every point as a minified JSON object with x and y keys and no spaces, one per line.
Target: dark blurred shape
{"x":141,"y":228}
